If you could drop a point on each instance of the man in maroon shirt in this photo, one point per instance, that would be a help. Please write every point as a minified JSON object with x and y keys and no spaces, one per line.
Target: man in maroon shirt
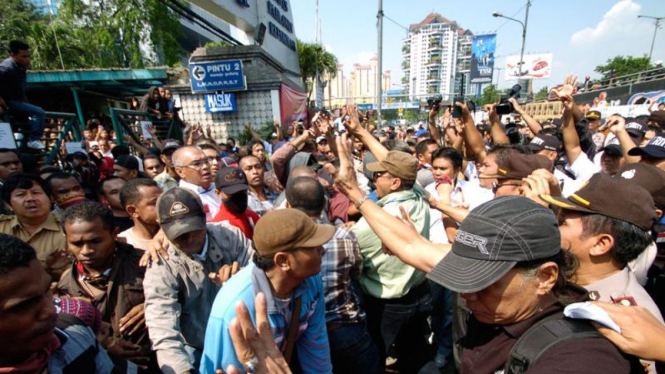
{"x":231,"y":187}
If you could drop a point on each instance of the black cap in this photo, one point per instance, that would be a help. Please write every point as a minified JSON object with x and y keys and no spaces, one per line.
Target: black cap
{"x":636,"y":129}
{"x":127,"y":161}
{"x":492,"y":239}
{"x":519,"y":166}
{"x":171,"y":144}
{"x":655,"y":148}
{"x":231,"y":180}
{"x":542,"y":141}
{"x":180,"y":212}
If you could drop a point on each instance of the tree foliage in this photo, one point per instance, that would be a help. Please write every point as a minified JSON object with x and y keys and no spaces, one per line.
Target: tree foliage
{"x":623,"y":65}
{"x":542,"y":94}
{"x":490,"y":95}
{"x":313,"y":57}
{"x":94,"y":33}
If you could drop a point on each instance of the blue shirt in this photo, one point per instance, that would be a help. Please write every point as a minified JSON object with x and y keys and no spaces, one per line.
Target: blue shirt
{"x":312,"y":337}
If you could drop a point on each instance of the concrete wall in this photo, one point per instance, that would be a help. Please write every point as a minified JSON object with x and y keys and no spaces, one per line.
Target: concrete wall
{"x":257,"y":105}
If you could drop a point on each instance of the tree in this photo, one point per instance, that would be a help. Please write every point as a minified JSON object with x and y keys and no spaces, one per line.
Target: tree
{"x":94,"y":33}
{"x":620,"y":65}
{"x":490,"y":95}
{"x":312,"y":58}
{"x":542,"y":94}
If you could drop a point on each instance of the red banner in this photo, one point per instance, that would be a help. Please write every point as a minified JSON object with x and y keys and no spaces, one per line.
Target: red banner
{"x":292,"y":105}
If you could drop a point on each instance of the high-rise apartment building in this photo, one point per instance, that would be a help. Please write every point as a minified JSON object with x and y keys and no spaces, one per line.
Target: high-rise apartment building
{"x":358,"y":87}
{"x":432,"y":57}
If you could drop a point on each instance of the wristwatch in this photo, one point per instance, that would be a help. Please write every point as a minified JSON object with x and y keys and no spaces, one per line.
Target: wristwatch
{"x":360,"y":201}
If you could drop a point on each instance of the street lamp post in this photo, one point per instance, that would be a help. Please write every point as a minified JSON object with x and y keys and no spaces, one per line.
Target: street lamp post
{"x":657,"y":24}
{"x":524,"y":24}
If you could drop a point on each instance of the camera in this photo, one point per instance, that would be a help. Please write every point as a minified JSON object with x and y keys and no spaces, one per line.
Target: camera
{"x":457,"y":111}
{"x":435,"y":100}
{"x":506,"y":107}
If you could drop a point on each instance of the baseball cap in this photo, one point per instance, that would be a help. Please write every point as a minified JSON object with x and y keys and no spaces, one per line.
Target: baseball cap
{"x":613,"y":147}
{"x":593,"y":115}
{"x":542,"y":141}
{"x":519,"y":166}
{"x":611,"y":197}
{"x":171,"y":144}
{"x":273,"y":135}
{"x":127,"y":161}
{"x":655,"y":148}
{"x":636,"y":129}
{"x":649,"y":177}
{"x":180,"y":212}
{"x":231,"y":180}
{"x":657,"y":116}
{"x":422,"y":132}
{"x":288,"y":229}
{"x":492,"y":239}
{"x":399,"y":164}
{"x":320,"y":139}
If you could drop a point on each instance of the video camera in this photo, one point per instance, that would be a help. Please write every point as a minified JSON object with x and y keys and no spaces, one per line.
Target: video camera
{"x":435,"y":100}
{"x":506,"y":107}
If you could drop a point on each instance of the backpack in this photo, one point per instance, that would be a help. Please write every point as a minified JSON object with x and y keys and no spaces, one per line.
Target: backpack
{"x":548,"y":333}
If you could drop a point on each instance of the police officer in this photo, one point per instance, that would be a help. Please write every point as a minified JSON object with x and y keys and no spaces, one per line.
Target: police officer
{"x":606,"y":224}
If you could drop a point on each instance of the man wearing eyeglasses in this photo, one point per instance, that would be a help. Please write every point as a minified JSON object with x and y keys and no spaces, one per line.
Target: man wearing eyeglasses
{"x":193,"y":167}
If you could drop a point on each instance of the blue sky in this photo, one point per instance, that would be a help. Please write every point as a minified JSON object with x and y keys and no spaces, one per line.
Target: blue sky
{"x":580,"y":34}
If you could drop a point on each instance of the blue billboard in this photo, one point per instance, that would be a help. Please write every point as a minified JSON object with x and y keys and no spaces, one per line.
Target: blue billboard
{"x":483,"y":48}
{"x":217,"y":76}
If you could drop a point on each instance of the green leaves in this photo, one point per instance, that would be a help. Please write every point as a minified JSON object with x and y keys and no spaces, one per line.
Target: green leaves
{"x":313,"y":57}
{"x":95,"y":33}
{"x":623,"y":65}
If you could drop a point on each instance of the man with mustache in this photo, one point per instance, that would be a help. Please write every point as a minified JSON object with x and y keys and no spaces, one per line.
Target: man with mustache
{"x":193,"y":167}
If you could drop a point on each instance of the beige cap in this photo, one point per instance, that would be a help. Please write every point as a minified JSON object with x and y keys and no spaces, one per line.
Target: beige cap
{"x":399,"y":164}
{"x":288,"y":229}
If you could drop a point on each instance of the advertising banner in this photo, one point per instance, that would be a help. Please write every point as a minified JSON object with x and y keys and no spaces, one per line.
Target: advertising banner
{"x":534,"y":67}
{"x":482,"y":58}
{"x":292,"y":105}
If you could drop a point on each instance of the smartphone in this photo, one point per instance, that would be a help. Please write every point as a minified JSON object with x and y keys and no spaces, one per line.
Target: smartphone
{"x":457,"y":111}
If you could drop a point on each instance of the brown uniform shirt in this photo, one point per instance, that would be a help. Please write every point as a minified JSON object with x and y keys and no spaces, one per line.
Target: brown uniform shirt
{"x":46,"y":240}
{"x":486,"y":349}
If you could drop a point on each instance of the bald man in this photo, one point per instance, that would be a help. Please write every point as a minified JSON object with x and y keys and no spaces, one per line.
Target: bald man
{"x":193,"y":168}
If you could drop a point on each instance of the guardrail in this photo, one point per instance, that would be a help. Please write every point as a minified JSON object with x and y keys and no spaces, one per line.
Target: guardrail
{"x":130,"y":121}
{"x":623,"y":80}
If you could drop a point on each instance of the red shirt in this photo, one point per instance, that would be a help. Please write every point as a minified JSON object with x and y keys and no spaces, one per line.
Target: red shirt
{"x":245,"y":222}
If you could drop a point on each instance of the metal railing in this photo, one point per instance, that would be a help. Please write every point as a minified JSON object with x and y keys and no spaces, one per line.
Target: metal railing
{"x":130,"y":122}
{"x":70,"y":129}
{"x":623,"y":80}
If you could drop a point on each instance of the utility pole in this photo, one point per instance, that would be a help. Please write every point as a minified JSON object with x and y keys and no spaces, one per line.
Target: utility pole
{"x":526,"y":20}
{"x":657,"y":24}
{"x":379,"y":72}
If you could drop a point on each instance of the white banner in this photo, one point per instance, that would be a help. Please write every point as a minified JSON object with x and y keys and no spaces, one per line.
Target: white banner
{"x":534,"y":67}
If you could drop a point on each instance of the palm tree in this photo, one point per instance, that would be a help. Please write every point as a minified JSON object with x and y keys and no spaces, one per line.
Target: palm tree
{"x":312,"y":58}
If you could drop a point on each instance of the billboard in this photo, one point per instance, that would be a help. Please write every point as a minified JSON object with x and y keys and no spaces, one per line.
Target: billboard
{"x":482,"y":58}
{"x":534,"y":67}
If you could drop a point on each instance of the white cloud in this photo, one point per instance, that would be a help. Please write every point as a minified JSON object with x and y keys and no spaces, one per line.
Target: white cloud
{"x":619,"y":22}
{"x":619,"y":32}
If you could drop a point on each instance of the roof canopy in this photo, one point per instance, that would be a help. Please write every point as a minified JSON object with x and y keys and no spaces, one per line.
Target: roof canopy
{"x":114,"y":82}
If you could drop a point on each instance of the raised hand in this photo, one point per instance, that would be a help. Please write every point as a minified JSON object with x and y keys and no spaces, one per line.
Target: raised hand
{"x":345,"y":175}
{"x":567,"y":89}
{"x":353,"y":124}
{"x":616,"y":124}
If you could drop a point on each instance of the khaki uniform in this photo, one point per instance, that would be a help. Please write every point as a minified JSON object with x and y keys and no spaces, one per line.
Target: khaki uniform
{"x":46,"y":240}
{"x":622,"y":288}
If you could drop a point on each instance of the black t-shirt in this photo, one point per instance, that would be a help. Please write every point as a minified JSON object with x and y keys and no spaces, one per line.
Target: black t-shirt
{"x":123,"y":223}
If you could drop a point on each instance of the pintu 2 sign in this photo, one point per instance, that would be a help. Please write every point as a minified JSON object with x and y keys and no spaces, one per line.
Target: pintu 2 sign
{"x":214,"y":76}
{"x":219,"y":103}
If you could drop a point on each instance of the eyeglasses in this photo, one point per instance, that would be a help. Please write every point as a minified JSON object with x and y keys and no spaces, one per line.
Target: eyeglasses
{"x":380,"y":174}
{"x":496,"y":186}
{"x":197,"y":164}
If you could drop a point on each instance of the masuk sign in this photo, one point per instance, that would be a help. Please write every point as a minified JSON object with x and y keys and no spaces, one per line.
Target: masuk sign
{"x":217,"y":76}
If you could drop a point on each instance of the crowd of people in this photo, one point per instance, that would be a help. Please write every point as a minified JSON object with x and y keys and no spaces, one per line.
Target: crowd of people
{"x":506,"y":247}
